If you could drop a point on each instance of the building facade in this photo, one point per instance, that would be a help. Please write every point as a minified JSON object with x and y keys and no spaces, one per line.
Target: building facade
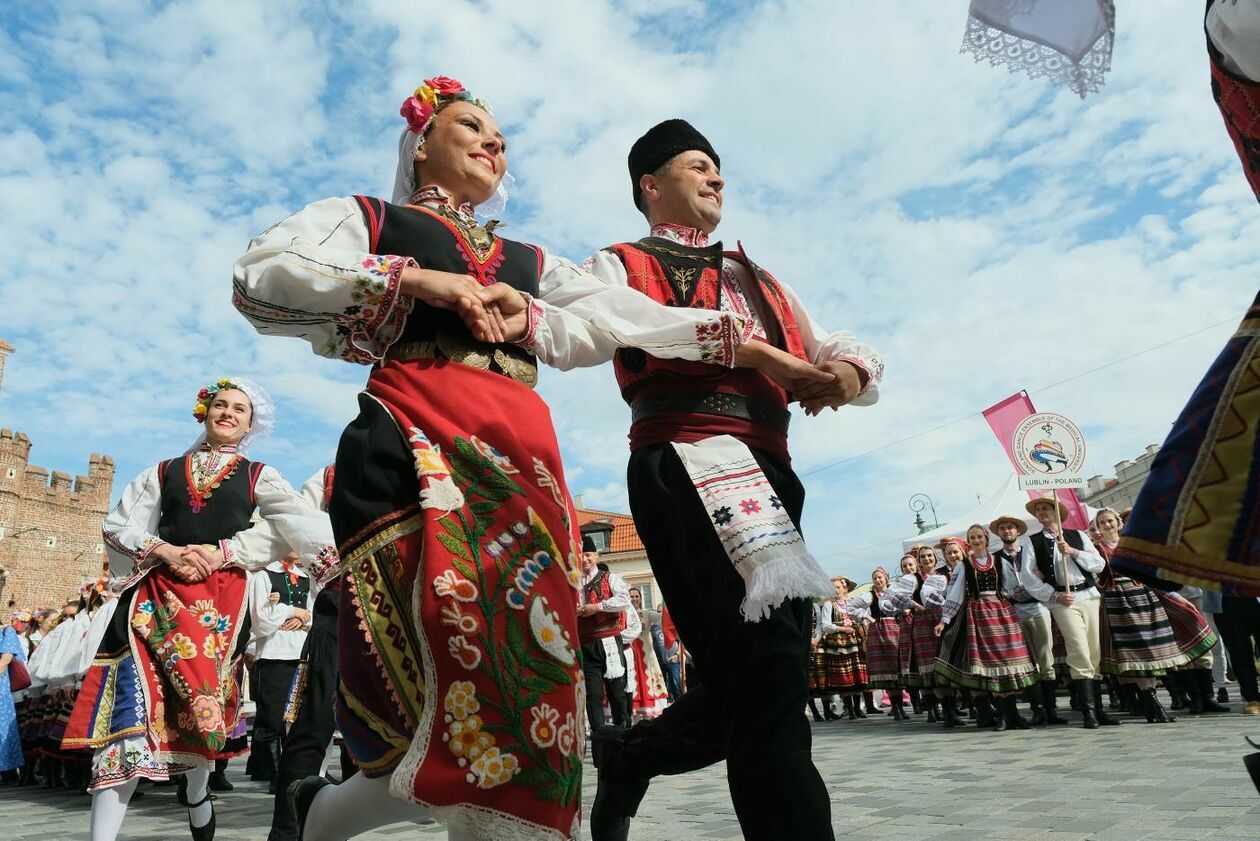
{"x":50,"y":523}
{"x":620,"y":547}
{"x":1120,"y":491}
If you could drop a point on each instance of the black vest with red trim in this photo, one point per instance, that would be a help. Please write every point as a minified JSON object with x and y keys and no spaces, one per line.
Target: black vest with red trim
{"x":224,"y":513}
{"x":291,"y":592}
{"x":602,"y":623}
{"x":983,"y":581}
{"x":1239,"y":100}
{"x":1043,"y":552}
{"x":677,"y":275}
{"x":437,"y":243}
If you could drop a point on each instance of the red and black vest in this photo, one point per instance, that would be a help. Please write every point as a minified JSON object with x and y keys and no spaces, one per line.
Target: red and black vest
{"x":224,"y":512}
{"x":1239,"y":100}
{"x":678,"y":275}
{"x":603,"y":623}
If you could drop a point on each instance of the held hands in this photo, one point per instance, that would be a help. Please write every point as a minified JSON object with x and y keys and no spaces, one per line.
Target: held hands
{"x":190,"y":563}
{"x":587,"y":609}
{"x":816,"y":396}
{"x":784,"y":368}
{"x":500,"y":314}
{"x":297,"y":621}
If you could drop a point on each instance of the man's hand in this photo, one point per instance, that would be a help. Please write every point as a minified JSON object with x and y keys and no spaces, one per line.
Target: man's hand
{"x":173,"y":557}
{"x":816,"y":396}
{"x":587,"y":609}
{"x":784,"y":368}
{"x":1065,"y":549}
{"x":1064,"y":599}
{"x":206,"y":559}
{"x":499,"y":314}
{"x":444,"y":290}
{"x":291,"y":624}
{"x":274,"y":598}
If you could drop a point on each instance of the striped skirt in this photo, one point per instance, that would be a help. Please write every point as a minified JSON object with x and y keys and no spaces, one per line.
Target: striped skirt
{"x":984,"y":649}
{"x":1136,"y":635}
{"x":838,"y":666}
{"x":1194,"y":635}
{"x":918,"y":648}
{"x":883,"y":660}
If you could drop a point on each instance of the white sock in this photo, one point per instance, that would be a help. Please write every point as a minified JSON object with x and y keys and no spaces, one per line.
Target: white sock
{"x":358,"y":805}
{"x":109,"y":807}
{"x":198,"y":782}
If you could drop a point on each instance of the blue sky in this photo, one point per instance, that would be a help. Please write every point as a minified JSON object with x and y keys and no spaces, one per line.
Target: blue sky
{"x":988,"y":233}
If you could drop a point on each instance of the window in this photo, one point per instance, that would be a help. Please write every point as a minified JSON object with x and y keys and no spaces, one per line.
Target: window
{"x":100,"y":547}
{"x":11,"y":473}
{"x":51,"y":543}
{"x":600,"y":538}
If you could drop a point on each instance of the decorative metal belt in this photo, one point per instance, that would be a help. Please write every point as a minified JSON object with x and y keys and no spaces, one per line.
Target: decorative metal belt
{"x":507,"y":360}
{"x":712,"y":403}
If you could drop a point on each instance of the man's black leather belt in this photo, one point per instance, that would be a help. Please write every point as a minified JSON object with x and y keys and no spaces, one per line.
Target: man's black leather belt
{"x":1075,"y":588}
{"x":711,"y":403}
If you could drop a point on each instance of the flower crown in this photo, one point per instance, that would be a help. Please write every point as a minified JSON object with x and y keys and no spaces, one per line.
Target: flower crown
{"x":98,"y":586}
{"x":204,"y":397}
{"x":431,"y":97}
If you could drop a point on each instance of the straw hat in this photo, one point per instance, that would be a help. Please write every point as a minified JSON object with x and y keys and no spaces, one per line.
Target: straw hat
{"x":1007,"y":518}
{"x":1031,"y":507}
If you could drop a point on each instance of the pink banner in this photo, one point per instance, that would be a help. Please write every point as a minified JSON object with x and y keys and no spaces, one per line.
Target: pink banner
{"x":1003,"y":419}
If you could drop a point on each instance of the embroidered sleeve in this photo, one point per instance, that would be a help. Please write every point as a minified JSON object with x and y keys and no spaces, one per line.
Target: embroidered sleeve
{"x":953,"y":594}
{"x":301,"y":526}
{"x":312,"y":276}
{"x":899,"y":595}
{"x":267,"y":617}
{"x":255,"y":547}
{"x":585,"y":316}
{"x":933,"y":592}
{"x":839,"y":346}
{"x":130,"y":530}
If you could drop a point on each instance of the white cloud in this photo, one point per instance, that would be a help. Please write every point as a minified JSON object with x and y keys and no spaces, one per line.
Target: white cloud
{"x":987,"y":232}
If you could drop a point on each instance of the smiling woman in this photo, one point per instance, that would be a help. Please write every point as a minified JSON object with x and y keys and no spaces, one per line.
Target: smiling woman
{"x":161,"y":695}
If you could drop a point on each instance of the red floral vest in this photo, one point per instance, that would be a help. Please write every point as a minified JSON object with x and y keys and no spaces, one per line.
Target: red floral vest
{"x":682,"y":276}
{"x":1239,"y":101}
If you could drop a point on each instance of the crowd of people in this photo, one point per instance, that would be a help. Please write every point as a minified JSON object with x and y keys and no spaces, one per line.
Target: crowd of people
{"x":970,"y":628}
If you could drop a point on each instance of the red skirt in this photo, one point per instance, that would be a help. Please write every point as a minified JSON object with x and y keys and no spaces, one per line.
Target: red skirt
{"x":1190,"y":628}
{"x":650,"y":695}
{"x":838,"y":666}
{"x":919,"y":647}
{"x":984,"y":649}
{"x":164,"y":673}
{"x":457,"y":645}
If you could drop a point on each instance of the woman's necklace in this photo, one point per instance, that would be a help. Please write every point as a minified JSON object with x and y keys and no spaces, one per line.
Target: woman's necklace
{"x":982,"y":566}
{"x":203,"y":480}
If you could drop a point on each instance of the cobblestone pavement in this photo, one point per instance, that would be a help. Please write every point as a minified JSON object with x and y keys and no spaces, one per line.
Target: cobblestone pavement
{"x":1172,"y":782}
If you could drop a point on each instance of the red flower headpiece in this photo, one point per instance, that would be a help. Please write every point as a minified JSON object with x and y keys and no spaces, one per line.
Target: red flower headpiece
{"x":431,"y":97}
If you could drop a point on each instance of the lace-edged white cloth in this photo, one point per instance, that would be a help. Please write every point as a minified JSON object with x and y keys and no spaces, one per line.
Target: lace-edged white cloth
{"x":1068,"y":42}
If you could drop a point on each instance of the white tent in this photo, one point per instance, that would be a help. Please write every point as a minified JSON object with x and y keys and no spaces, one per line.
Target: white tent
{"x":1007,"y":498}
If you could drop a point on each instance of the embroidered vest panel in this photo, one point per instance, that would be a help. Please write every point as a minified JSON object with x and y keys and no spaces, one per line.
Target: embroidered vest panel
{"x":1043,"y":549}
{"x":602,"y":624}
{"x":435,"y":242}
{"x":876,"y":613}
{"x":226,"y":511}
{"x":984,"y":581}
{"x":290,"y":593}
{"x":1239,"y":101}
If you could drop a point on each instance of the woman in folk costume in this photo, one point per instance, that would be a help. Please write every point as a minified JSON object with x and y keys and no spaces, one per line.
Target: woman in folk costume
{"x":839,"y":666}
{"x":983,"y":648}
{"x":647,"y":682}
{"x":1137,"y":639}
{"x":160,"y":698}
{"x":460,"y":692}
{"x":883,"y":633}
{"x":920,"y":597}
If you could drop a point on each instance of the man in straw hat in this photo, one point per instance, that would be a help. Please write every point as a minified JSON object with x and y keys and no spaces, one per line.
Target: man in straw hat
{"x":1061,"y":573}
{"x":1034,"y":617}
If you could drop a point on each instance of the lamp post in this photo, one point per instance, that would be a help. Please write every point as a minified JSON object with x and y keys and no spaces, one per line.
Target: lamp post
{"x":917,"y":503}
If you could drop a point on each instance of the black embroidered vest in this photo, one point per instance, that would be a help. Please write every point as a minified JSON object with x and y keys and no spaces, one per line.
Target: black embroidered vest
{"x":224,"y":513}
{"x":983,"y":581}
{"x":436,"y":242}
{"x":290,"y":593}
{"x":1043,"y":549}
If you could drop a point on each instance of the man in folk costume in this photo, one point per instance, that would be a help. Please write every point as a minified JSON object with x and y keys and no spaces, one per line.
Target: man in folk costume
{"x":1033,"y":616}
{"x":1061,"y":572}
{"x":280,"y":602}
{"x":602,"y":614}
{"x":709,"y":472}
{"x":160,"y":698}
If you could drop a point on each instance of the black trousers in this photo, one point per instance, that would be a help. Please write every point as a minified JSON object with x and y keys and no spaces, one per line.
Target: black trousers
{"x":313,"y":727}
{"x":749,"y":710}
{"x":275,"y":678}
{"x":594,"y":667}
{"x":1239,"y":626}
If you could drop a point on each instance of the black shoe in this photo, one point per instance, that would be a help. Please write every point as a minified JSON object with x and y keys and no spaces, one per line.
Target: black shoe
{"x":1033,"y":695}
{"x":1015,"y":721}
{"x":1083,"y":695}
{"x":999,"y":722}
{"x":857,"y":710}
{"x":616,"y":798}
{"x":899,"y":711}
{"x":220,"y":782}
{"x":202,"y":833}
{"x":181,"y":790}
{"x":301,"y":796}
{"x":916,"y":703}
{"x":1222,"y":695}
{"x":950,"y":716}
{"x":871,"y":709}
{"x":1175,"y":685}
{"x":1050,"y":700}
{"x":1154,"y":710}
{"x":984,"y":713}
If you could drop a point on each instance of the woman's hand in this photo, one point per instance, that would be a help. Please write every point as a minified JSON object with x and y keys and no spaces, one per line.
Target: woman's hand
{"x":784,"y":368}
{"x":205,"y":559}
{"x":499,"y":314}
{"x":939,"y":629}
{"x":444,"y":290}
{"x":173,"y":557}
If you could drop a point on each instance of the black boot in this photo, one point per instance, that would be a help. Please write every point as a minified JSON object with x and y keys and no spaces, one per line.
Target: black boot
{"x":218,"y":777}
{"x":1222,"y":695}
{"x":1201,"y":683}
{"x":932,"y":705}
{"x":855,"y":707}
{"x":869,"y":698}
{"x":1050,"y":699}
{"x":949,"y":714}
{"x":1114,"y":700}
{"x":1133,"y":699}
{"x":1014,"y":721}
{"x":813,"y":708}
{"x":1103,"y":717}
{"x":617,"y":792}
{"x":1083,"y":694}
{"x":1033,"y":696}
{"x":992,"y":705}
{"x":301,"y":794}
{"x":916,"y":702}
{"x":898,"y":708}
{"x":1176,"y":690}
{"x":1153,"y":709}
{"x":828,"y":713}
{"x":985,"y":716}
